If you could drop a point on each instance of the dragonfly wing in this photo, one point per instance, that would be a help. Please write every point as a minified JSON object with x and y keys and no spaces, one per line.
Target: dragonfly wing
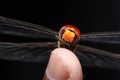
{"x":20,"y":28}
{"x":26,"y":52}
{"x":91,"y":57}
{"x":102,"y":37}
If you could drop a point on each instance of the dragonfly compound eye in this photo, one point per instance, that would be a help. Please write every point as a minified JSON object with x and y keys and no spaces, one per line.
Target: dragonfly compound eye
{"x":69,"y":34}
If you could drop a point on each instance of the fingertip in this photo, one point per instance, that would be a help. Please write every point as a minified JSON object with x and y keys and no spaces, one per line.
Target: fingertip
{"x":63,"y":65}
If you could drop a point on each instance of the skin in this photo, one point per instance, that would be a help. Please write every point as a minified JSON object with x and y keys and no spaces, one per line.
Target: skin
{"x":63,"y":65}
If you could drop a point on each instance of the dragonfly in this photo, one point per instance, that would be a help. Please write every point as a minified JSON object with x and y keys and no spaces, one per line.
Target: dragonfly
{"x":11,"y":49}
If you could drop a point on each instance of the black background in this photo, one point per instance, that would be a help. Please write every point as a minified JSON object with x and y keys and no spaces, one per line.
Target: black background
{"x":89,"y":16}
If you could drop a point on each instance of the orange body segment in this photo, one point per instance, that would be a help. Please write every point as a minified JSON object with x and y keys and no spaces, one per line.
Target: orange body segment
{"x":73,"y":28}
{"x":68,"y":36}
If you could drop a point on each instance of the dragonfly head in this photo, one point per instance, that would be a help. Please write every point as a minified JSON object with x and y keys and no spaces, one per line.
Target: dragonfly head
{"x":68,"y":36}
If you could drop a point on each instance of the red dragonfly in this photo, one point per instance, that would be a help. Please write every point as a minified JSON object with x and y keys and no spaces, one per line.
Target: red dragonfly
{"x":45,"y":41}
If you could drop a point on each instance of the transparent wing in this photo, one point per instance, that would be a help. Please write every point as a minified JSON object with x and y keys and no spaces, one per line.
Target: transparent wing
{"x":40,"y":52}
{"x":102,"y":37}
{"x":20,"y":28}
{"x":91,"y":57}
{"x":26,"y":52}
{"x":12,"y":31}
